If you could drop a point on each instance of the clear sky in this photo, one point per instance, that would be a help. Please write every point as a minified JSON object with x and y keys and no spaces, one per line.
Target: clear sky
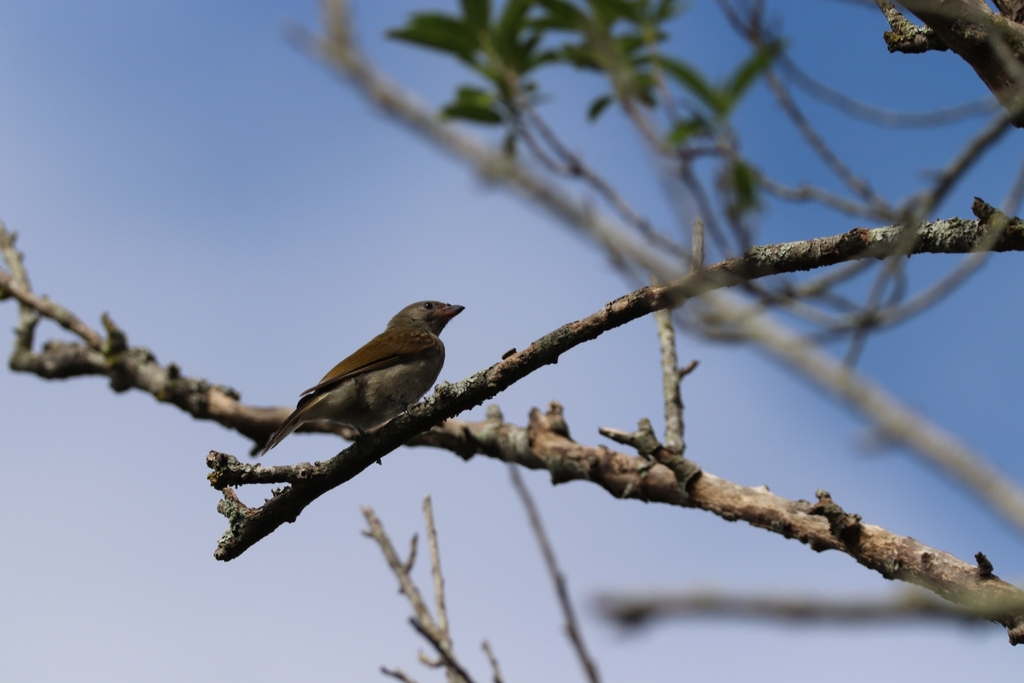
{"x":243,"y":213}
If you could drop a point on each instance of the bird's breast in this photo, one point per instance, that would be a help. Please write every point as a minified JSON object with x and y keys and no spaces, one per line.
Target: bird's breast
{"x":401,"y":384}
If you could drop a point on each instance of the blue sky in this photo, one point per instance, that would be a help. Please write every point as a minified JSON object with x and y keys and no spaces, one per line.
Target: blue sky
{"x":244,"y":214}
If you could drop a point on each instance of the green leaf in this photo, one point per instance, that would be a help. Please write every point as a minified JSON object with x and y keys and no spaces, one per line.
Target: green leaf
{"x":507,"y":31}
{"x":473,"y":104}
{"x":684,"y":130}
{"x":598,"y":106}
{"x":561,"y":15}
{"x":690,"y":79}
{"x":609,"y":11}
{"x":471,"y":113}
{"x":666,"y":10}
{"x":477,"y":12}
{"x":643,"y":89}
{"x":441,"y":32}
{"x":748,"y":72}
{"x":579,"y":56}
{"x":741,"y":182}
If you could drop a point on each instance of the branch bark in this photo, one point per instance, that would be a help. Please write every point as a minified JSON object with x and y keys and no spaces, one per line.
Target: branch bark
{"x":545,"y":444}
{"x":249,"y":525}
{"x":993,"y":45}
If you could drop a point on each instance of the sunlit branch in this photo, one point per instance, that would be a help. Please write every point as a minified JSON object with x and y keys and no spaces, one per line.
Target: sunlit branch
{"x":545,"y":444}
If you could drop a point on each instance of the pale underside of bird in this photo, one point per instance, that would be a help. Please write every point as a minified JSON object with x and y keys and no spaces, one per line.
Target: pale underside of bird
{"x":381,"y":379}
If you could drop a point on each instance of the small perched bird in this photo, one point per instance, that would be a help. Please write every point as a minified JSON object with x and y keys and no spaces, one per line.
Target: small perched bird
{"x":380,"y":380}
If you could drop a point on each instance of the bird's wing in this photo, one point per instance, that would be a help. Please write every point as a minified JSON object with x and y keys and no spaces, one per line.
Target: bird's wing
{"x":376,"y":354}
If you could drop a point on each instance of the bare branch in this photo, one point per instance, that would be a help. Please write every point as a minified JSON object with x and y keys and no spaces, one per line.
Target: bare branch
{"x":423,"y":622}
{"x":340,"y":52}
{"x":575,"y":166}
{"x":988,"y":42}
{"x":27,"y":316}
{"x":670,"y":378}
{"x":893,"y":419}
{"x":251,"y":524}
{"x":494,"y":662}
{"x":697,"y":244}
{"x":905,"y":36}
{"x":857,"y":184}
{"x":456,"y":670}
{"x":921,"y":205}
{"x":810,"y":193}
{"x":638,"y":610}
{"x":572,"y":628}
{"x":49,"y":309}
{"x":877,"y":115}
{"x":1011,"y":9}
{"x":397,"y":674}
{"x":398,"y":568}
{"x":435,"y":570}
{"x":545,"y":444}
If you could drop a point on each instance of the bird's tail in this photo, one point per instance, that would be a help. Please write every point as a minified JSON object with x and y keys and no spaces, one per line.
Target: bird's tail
{"x":286,"y":428}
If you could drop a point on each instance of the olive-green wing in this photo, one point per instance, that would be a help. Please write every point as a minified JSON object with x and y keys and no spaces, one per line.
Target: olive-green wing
{"x":383,"y":351}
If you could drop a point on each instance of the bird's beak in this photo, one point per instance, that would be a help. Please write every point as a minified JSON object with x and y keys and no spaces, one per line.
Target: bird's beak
{"x":449,"y":311}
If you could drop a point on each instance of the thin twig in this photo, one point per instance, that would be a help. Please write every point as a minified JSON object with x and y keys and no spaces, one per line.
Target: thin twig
{"x":494,"y":662}
{"x":60,"y":315}
{"x":810,"y":193}
{"x":561,"y":588}
{"x":398,"y":568}
{"x":28,"y":317}
{"x":878,"y":115}
{"x":670,"y":376}
{"x":891,"y":417}
{"x":857,"y":184}
{"x":455,"y":669}
{"x":697,"y":244}
{"x":423,"y":622}
{"x":575,"y":166}
{"x":435,"y":570}
{"x":922,"y":204}
{"x":398,"y":674}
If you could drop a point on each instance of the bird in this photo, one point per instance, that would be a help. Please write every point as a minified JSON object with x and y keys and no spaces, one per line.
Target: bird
{"x":381,"y":379}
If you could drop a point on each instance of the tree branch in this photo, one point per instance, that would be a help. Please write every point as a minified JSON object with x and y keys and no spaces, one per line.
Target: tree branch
{"x":249,"y":525}
{"x":545,"y":444}
{"x":135,"y":367}
{"x":991,"y":44}
{"x":638,"y":610}
{"x":435,"y":631}
{"x":906,"y":37}
{"x":671,"y":376}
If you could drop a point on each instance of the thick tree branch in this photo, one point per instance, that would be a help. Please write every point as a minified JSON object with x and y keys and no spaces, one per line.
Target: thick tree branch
{"x":905,"y":36}
{"x":135,"y":367}
{"x":311,"y":481}
{"x":1011,"y":9}
{"x":545,"y":444}
{"x":991,"y":44}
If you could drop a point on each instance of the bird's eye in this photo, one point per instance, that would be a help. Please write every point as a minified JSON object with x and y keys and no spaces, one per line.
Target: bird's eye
{"x":427,"y":305}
